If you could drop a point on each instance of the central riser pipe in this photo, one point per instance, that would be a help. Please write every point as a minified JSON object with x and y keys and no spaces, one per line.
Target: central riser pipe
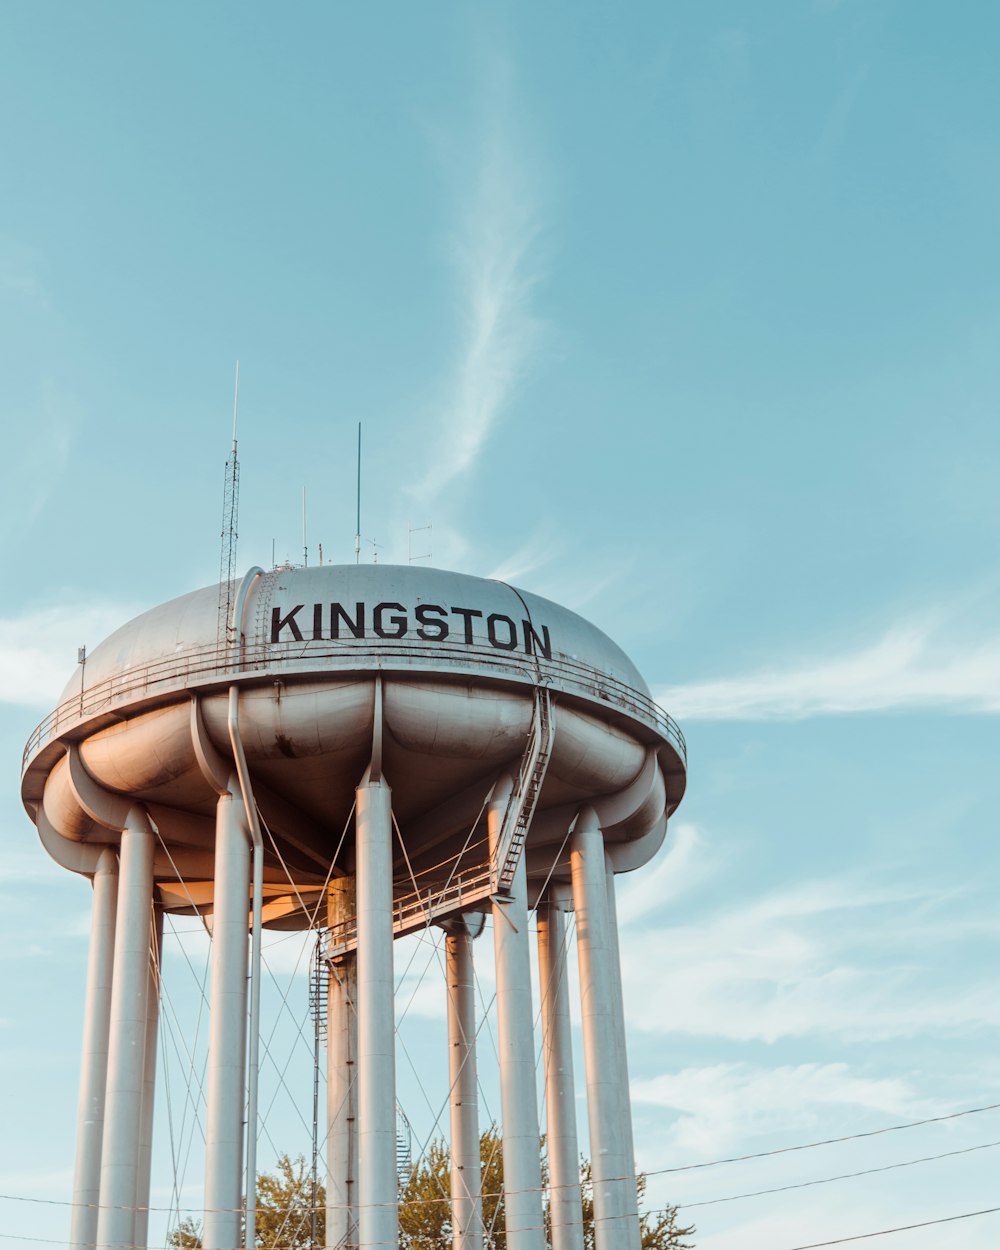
{"x":378,"y":1223}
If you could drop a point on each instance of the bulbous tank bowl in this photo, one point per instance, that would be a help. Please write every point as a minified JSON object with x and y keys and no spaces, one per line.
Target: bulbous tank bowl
{"x":440,"y":674}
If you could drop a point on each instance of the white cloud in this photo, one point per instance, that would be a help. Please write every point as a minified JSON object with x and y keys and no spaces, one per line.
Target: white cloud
{"x":38,"y":649}
{"x":829,"y":958}
{"x":534,"y":554}
{"x":727,"y":1103}
{"x":495,"y":255}
{"x":911,"y":667}
{"x":668,"y":877}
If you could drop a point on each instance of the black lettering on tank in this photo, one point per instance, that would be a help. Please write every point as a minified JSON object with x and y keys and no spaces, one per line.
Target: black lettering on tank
{"x":399,"y":622}
{"x":356,"y":624}
{"x":278,"y":623}
{"x":532,"y":640}
{"x":317,"y":621}
{"x":467,"y":614}
{"x":440,"y":628}
{"x":508,"y":643}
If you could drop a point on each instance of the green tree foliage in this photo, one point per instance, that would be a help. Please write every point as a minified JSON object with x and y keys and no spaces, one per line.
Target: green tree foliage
{"x":285,"y":1200}
{"x":284,"y":1211}
{"x":659,"y":1230}
{"x":425,"y":1214}
{"x":186,"y":1236}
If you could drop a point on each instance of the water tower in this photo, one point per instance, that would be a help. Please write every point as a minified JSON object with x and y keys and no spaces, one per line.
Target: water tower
{"x":364,"y":750}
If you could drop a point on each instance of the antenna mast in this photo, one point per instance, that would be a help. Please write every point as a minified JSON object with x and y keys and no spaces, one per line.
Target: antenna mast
{"x":357,"y":528}
{"x":230,"y":516}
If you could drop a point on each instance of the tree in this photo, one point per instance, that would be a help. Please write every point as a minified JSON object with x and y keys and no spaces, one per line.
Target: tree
{"x":285,"y":1206}
{"x":284,"y":1211}
{"x":425,"y":1213}
{"x":658,"y":1230}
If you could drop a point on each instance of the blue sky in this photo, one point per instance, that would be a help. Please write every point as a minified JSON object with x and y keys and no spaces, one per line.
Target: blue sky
{"x":683,"y":315}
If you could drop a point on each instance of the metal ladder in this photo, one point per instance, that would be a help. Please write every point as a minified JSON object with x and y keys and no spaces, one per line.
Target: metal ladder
{"x":524,"y":797}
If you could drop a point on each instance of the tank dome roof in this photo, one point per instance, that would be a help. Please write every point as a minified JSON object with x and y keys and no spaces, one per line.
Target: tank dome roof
{"x":293,"y":610}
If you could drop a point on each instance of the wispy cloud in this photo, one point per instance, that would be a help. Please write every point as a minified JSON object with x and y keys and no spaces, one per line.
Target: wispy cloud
{"x":826,"y":958}
{"x":495,"y":253}
{"x":539,"y":550}
{"x":912,"y":666}
{"x":38,"y":649}
{"x":668,"y":877}
{"x":724,"y":1103}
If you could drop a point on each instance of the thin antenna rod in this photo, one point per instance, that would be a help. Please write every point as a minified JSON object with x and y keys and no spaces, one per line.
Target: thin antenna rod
{"x":236,"y":405}
{"x":357,"y":528}
{"x":305,"y":543}
{"x":230,"y":525}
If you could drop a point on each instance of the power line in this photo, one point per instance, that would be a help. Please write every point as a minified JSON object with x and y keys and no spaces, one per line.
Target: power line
{"x":829,"y":1141}
{"x":891,"y":1128}
{"x":900,"y":1228}
{"x":812,"y":1245}
{"x":844,"y":1176}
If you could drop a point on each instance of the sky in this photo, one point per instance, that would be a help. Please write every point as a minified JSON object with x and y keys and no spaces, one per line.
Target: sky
{"x":685,"y":316}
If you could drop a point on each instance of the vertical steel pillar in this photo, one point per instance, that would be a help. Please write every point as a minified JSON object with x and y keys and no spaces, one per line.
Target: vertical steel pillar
{"x":94,"y":1065}
{"x":127,"y":1037}
{"x":557,"y":1050}
{"x":226,"y":1070}
{"x":619,"y":998}
{"x":378,"y":1222}
{"x":466,"y":1180}
{"x":149,"y":1079}
{"x":616,"y":1219}
{"x":341,"y":1081}
{"x":518,"y":1101}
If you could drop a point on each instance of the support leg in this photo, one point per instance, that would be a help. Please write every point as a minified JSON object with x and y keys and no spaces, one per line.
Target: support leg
{"x":127,"y":1037}
{"x":519,"y":1104}
{"x":557,"y":1050}
{"x":149,"y":1080}
{"x":341,"y":1083}
{"x":94,"y":1066}
{"x":619,"y":999}
{"x":466,"y":1183}
{"x":226,"y":1074}
{"x":378,"y":1223}
{"x":616,"y":1220}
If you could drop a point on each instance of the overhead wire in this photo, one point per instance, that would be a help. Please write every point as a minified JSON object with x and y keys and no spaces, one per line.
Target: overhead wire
{"x":829,"y":1141}
{"x":844,"y":1176}
{"x":899,"y":1228}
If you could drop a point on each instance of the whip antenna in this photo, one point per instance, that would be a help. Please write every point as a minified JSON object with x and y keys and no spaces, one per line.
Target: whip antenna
{"x":357,"y":527}
{"x":230,"y":517}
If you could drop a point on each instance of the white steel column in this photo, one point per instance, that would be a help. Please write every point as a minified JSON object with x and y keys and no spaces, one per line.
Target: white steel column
{"x":378,"y":1222}
{"x":616,"y":1220}
{"x":557,"y":1050}
{"x":149,"y":1079}
{"x":619,"y":998}
{"x":466,"y":1181}
{"x":94,"y":1065}
{"x":341,"y":1081}
{"x":226,"y":1069}
{"x":127,"y":1037}
{"x":515,"y":1041}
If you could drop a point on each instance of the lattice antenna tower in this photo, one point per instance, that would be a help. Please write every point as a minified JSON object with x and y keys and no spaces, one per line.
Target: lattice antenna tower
{"x":230,"y":520}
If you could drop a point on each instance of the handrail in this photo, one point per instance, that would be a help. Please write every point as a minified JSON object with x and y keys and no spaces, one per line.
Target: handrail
{"x":203,"y":664}
{"x":418,"y":908}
